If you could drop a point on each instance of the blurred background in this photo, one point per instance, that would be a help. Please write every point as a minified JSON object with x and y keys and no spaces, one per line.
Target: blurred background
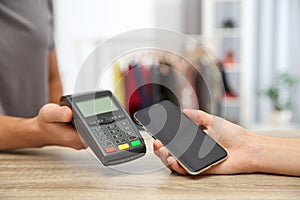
{"x":255,"y":42}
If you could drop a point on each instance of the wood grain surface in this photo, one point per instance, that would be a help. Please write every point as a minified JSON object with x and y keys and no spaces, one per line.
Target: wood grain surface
{"x":62,"y":173}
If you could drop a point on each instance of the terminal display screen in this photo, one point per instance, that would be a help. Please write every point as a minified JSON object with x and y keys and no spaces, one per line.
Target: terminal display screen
{"x":96,"y":106}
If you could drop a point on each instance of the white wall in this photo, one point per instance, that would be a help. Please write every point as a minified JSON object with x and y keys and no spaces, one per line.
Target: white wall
{"x":79,"y":24}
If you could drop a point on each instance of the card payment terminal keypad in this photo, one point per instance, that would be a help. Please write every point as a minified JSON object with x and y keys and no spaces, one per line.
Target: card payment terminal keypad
{"x":114,"y":132}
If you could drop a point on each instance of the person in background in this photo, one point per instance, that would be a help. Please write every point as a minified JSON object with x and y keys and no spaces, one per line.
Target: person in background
{"x":30,"y":85}
{"x":247,"y":152}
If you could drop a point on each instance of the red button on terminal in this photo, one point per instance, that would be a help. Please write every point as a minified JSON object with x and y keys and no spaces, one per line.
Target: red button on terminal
{"x":110,"y":149}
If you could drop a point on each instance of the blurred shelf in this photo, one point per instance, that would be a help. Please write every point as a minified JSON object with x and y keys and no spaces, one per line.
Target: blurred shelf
{"x":231,"y":68}
{"x":230,"y":101}
{"x":228,"y":32}
{"x":227,"y":1}
{"x":232,"y":14}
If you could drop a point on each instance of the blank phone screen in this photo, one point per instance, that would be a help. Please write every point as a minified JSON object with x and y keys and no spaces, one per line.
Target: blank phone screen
{"x":184,"y":139}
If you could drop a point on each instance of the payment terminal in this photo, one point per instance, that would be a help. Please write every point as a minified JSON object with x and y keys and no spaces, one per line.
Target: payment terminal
{"x":105,"y":126}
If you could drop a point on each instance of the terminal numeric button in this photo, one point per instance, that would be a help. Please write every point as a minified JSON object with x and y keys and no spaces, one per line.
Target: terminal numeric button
{"x":100,"y":134}
{"x":117,"y":136}
{"x":123,"y":123}
{"x":120,"y":141}
{"x":114,"y":131}
{"x":97,"y":129}
{"x":107,"y":143}
{"x":110,"y":127}
{"x":126,"y":128}
{"x":130,"y":133}
{"x":103,"y":138}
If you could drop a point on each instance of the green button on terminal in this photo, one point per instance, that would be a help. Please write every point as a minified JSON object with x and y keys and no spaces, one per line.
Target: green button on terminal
{"x":135,"y":143}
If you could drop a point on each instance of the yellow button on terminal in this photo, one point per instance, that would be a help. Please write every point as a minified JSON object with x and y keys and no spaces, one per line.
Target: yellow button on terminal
{"x":123,"y":146}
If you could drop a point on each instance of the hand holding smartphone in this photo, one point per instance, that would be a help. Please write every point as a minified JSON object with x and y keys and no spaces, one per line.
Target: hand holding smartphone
{"x":188,"y":143}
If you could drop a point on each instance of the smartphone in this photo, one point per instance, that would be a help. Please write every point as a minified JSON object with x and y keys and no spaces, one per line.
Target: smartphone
{"x":187,"y":142}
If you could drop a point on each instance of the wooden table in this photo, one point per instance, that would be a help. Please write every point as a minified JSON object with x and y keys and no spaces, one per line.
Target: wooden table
{"x":62,"y":173}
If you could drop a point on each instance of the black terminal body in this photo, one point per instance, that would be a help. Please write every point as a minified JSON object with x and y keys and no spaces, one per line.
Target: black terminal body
{"x":105,"y":127}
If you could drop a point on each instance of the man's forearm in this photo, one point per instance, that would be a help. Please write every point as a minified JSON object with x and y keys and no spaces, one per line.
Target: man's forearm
{"x":55,"y":85}
{"x":18,"y":133}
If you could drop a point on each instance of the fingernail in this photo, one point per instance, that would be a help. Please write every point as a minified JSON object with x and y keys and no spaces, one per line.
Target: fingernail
{"x":170,"y":159}
{"x":157,"y":153}
{"x":159,"y":142}
{"x":64,"y":114}
{"x":155,"y":145}
{"x":161,"y":149}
